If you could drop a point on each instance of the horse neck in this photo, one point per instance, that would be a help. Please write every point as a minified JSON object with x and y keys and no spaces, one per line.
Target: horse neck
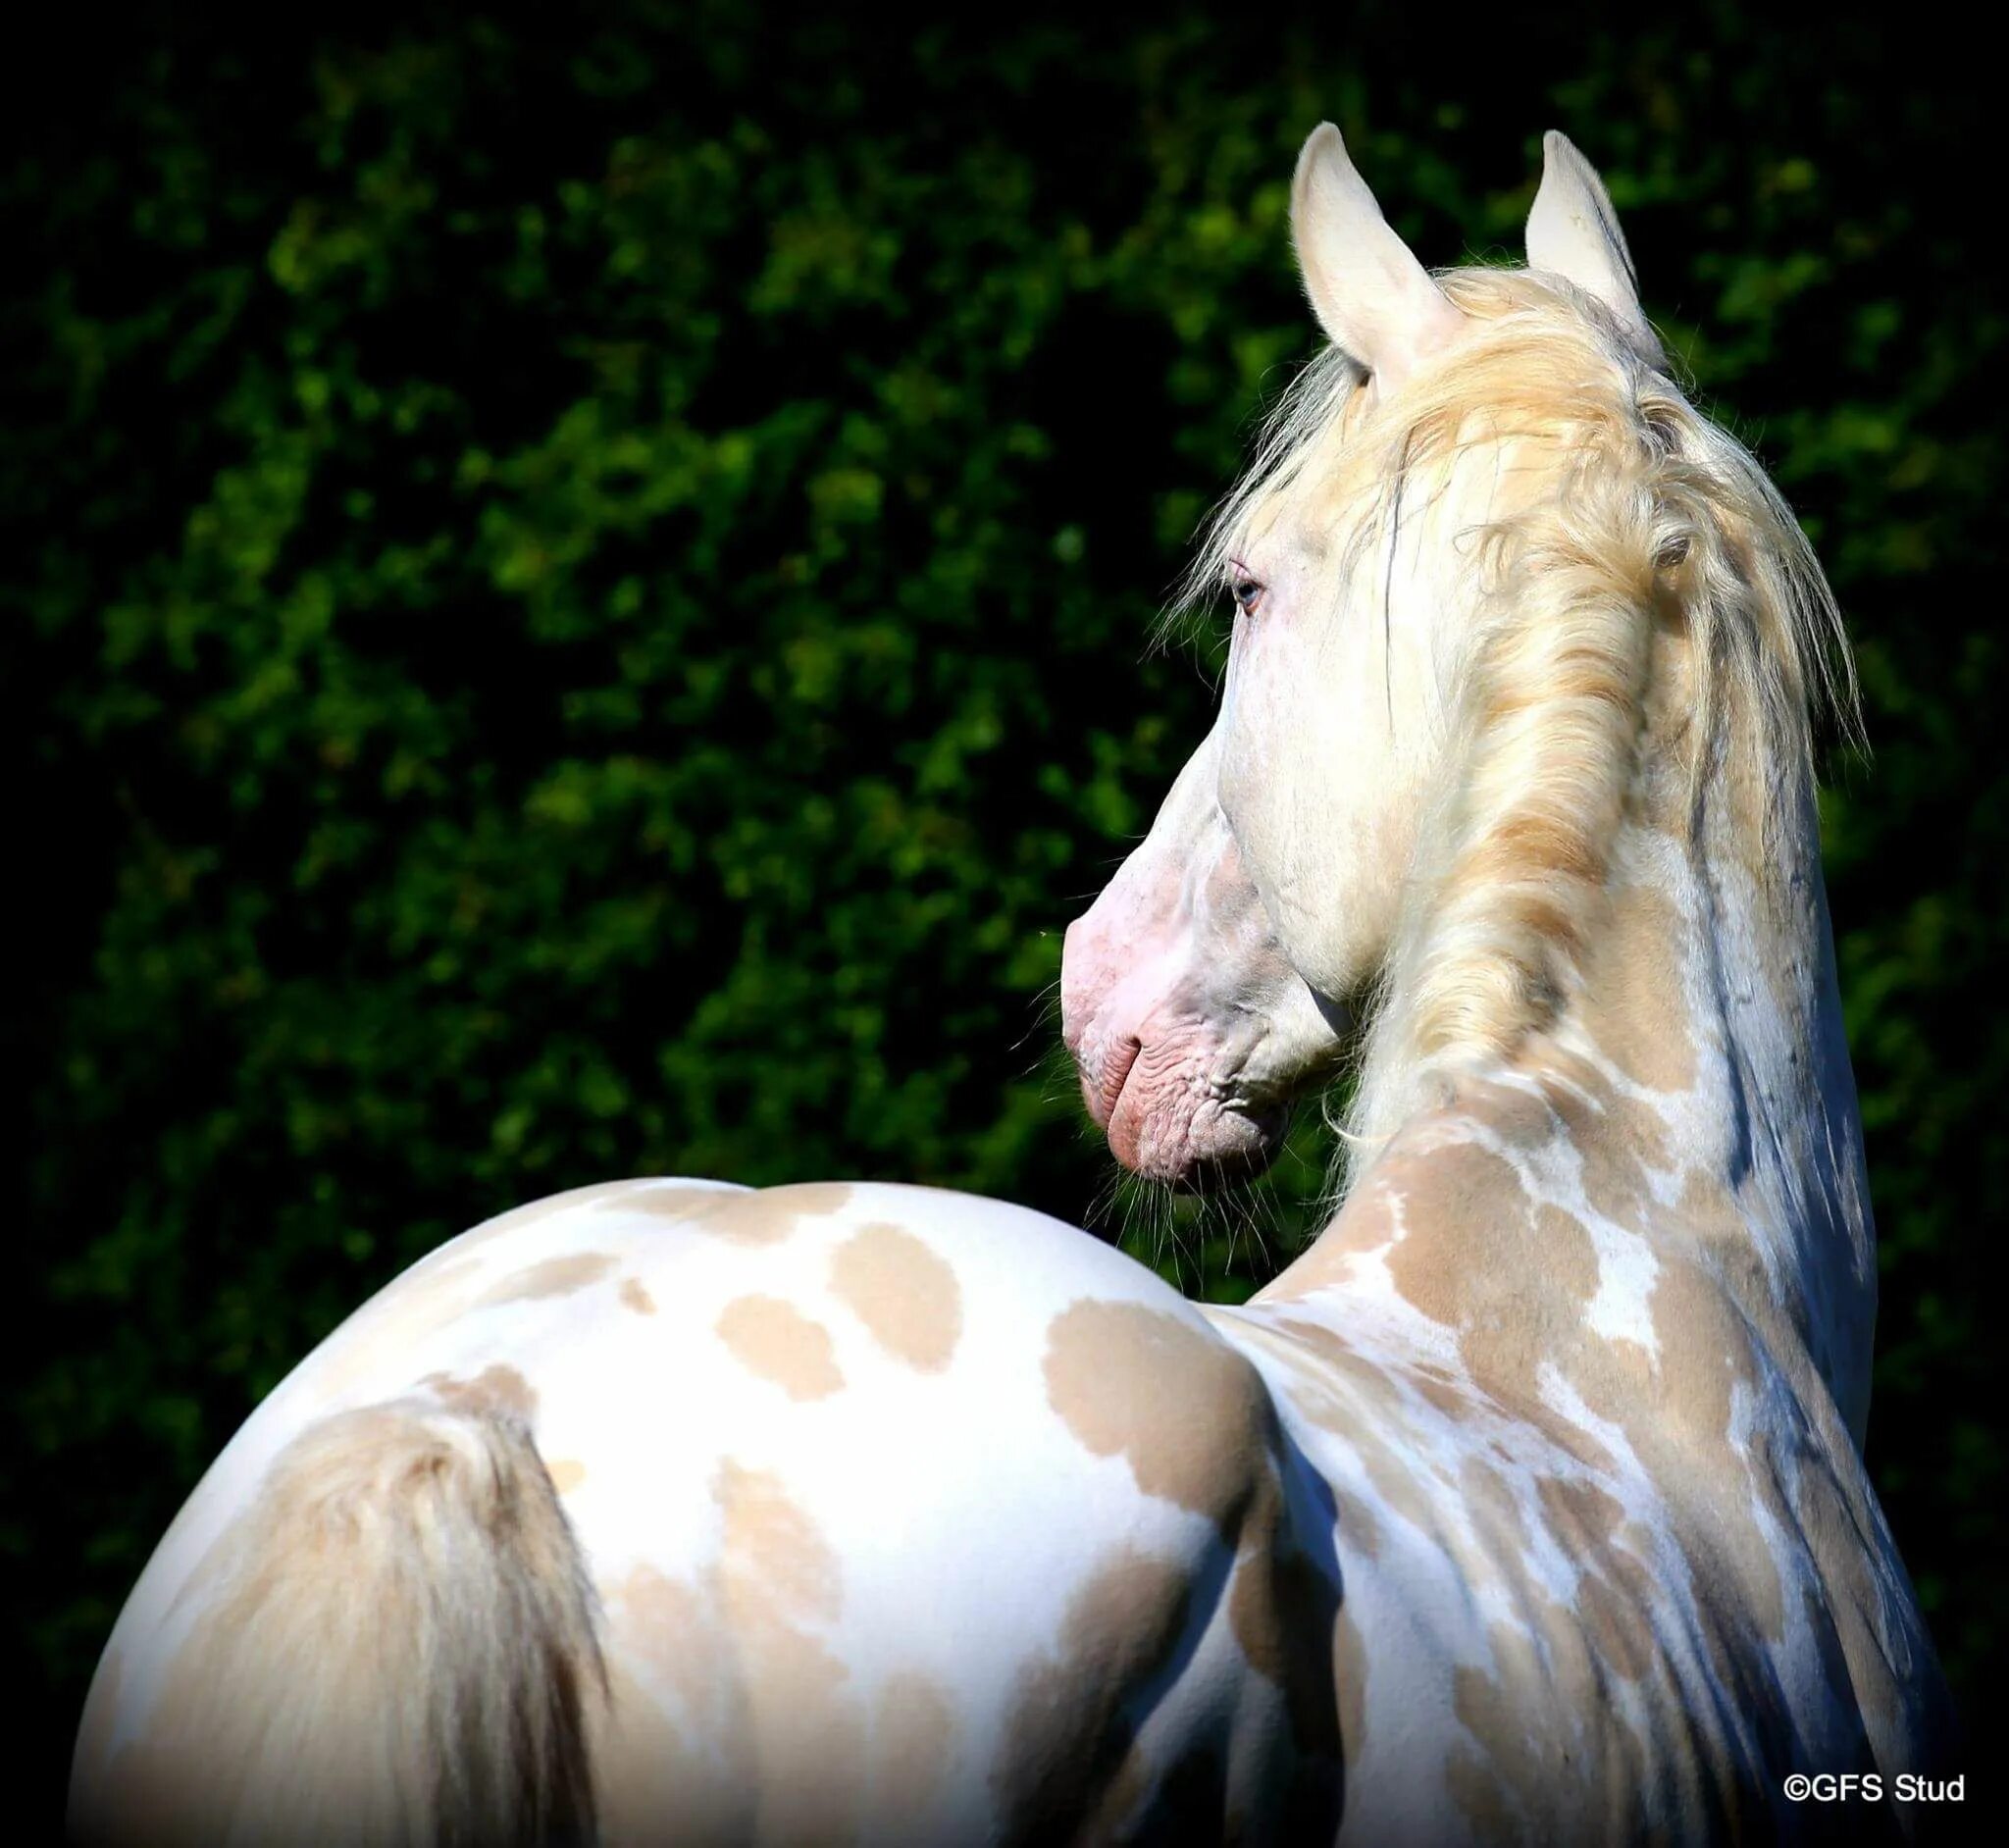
{"x":1716,"y":990}
{"x":1698,"y":1067}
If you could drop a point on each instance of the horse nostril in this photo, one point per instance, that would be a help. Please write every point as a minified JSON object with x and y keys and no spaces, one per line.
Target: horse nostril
{"x":1076,"y":998}
{"x":1106,"y":1090}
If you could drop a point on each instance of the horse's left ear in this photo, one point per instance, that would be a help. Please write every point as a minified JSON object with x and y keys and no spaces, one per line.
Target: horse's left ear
{"x":1574,"y":233}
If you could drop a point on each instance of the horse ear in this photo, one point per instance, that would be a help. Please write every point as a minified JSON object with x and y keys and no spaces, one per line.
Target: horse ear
{"x":1372,"y":296}
{"x":1574,"y":233}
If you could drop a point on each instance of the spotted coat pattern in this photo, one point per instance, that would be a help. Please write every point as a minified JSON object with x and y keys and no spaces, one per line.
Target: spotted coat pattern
{"x":1518,"y":1509}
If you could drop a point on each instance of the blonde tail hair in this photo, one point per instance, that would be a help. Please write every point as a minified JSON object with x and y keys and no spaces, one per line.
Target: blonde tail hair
{"x":402,"y":1652}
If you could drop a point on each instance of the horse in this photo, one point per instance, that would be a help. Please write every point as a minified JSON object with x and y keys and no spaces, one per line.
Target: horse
{"x":1527,"y":1503}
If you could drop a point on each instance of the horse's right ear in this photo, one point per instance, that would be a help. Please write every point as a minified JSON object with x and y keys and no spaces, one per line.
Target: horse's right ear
{"x":1372,"y":296}
{"x":1574,"y":233}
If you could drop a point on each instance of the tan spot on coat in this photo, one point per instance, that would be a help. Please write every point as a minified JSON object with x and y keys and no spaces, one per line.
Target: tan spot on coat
{"x":1506,"y":1716}
{"x":777,"y":1342}
{"x":1617,"y":1140}
{"x":768,"y":1542}
{"x":1366,"y":1223}
{"x":659,"y":1780}
{"x":552,"y":1276}
{"x":745,"y":1216}
{"x":1358,"y":1528}
{"x":1581,"y":1515}
{"x":673,"y":1203}
{"x":903,"y":1293}
{"x":1556,"y":1758}
{"x":779,"y":1582}
{"x":1493,"y":1508}
{"x":1711,"y":1214}
{"x":634,"y":1295}
{"x":1350,"y":1683}
{"x":1843,"y":1534}
{"x":1481,"y":1792}
{"x":1186,"y":1411}
{"x":1705,"y":1349}
{"x":1615,"y":1618}
{"x":1066,"y":1736}
{"x":536,"y":1211}
{"x":566,"y":1473}
{"x":498,"y":1388}
{"x":676,"y":1756}
{"x":1634,"y":1005}
{"x":1455,"y":1403}
{"x":671,"y":1631}
{"x":1282,"y":1609}
{"x":1479,"y":1258}
{"x":810,"y":1200}
{"x":1348,"y":1394}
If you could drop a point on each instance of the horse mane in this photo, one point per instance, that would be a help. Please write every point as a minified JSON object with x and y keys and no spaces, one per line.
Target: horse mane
{"x":1653,"y":522}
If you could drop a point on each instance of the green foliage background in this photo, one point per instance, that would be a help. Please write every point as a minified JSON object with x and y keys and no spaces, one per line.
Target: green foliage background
{"x":576,"y":585}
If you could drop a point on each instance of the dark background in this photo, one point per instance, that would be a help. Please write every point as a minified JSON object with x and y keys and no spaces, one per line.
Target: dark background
{"x":576,"y":590}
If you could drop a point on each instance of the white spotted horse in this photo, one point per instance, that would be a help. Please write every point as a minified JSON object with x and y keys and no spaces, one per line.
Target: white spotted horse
{"x":1527,"y":1504}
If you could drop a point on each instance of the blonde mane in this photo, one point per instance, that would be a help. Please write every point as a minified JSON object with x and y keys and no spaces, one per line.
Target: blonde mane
{"x":1657,"y":552}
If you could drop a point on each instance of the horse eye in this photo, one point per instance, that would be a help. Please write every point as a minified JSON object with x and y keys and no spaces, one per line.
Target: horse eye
{"x":1248,"y":593}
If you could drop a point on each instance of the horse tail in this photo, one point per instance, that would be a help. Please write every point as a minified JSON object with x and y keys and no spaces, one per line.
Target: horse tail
{"x":402,"y":1650}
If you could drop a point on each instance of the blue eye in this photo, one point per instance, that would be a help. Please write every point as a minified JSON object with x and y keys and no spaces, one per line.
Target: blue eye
{"x":1248,"y":593}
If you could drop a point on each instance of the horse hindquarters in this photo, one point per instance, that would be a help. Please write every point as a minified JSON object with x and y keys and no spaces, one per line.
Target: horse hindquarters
{"x":397,"y":1646}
